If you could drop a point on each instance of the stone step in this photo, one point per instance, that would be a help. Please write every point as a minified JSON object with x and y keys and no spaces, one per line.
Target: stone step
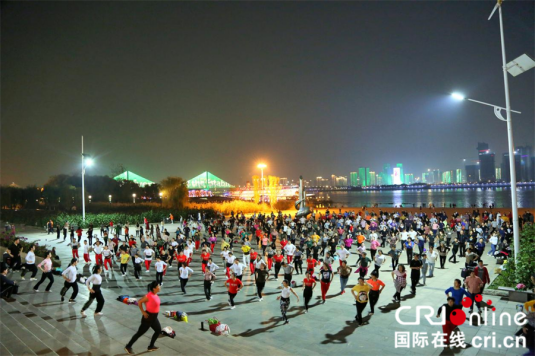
{"x":9,"y":319}
{"x":16,"y":345}
{"x":56,"y":328}
{"x":52,"y":337}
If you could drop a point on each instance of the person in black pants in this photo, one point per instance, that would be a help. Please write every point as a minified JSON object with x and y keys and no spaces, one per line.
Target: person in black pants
{"x":149,"y":319}
{"x":462,"y":244}
{"x":208,"y":278}
{"x":48,"y":274}
{"x":58,"y":232}
{"x":377,"y":287}
{"x":454,"y":249}
{"x":94,"y":293}
{"x":415,"y":267}
{"x":261,"y":275}
{"x":409,"y":247}
{"x":7,"y":286}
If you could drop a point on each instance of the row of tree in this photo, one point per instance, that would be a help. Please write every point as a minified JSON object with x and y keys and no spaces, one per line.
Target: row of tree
{"x":64,"y":192}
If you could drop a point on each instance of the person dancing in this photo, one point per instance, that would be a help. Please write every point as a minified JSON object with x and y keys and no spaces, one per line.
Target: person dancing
{"x":94,"y":291}
{"x":309,"y":283}
{"x":149,"y":319}
{"x":69,"y":275}
{"x":285,"y":299}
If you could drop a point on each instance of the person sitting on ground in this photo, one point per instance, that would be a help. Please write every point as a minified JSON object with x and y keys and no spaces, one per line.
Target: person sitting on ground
{"x":7,"y":286}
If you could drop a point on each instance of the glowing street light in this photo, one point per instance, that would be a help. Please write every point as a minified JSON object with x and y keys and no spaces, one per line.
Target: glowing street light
{"x":457,"y":96}
{"x":262,"y":166}
{"x":89,"y":198}
{"x":161,"y":199}
{"x":87,"y":161}
{"x":109,"y":198}
{"x":134,"y":197}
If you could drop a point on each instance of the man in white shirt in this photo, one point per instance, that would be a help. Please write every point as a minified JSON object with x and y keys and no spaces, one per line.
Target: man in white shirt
{"x":432,"y":256}
{"x":289,"y":249}
{"x":343,"y":254}
{"x":379,"y":260}
{"x":237,"y":268}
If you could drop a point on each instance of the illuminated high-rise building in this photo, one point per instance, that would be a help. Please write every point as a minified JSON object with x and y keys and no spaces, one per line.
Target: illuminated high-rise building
{"x":364,"y":173}
{"x":379,"y":179}
{"x":498,"y":174}
{"x":458,"y":175}
{"x":472,"y":173}
{"x":341,"y":181}
{"x":447,"y":177}
{"x":353,"y":179}
{"x":319,"y":181}
{"x":401,"y":175}
{"x":487,"y":165}
{"x":283,"y":181}
{"x":372,"y":180}
{"x":386,"y":174}
{"x":408,"y":178}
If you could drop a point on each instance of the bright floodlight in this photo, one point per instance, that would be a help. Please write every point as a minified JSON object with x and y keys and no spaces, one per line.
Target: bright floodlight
{"x":261,"y":165}
{"x":520,"y":65}
{"x":89,"y":162}
{"x":457,"y":96}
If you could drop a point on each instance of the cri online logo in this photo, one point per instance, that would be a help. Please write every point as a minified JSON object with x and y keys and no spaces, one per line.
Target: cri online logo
{"x":458,"y":316}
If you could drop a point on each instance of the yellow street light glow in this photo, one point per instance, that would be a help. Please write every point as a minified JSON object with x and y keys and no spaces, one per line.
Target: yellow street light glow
{"x":261,"y":165}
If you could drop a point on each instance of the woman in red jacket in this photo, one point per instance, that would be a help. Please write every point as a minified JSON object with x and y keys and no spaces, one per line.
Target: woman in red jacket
{"x":278,"y":263}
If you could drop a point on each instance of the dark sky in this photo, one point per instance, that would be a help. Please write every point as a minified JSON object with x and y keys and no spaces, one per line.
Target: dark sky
{"x":312,"y":88}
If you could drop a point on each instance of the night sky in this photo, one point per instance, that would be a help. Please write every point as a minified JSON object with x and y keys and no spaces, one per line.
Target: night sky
{"x":312,"y":88}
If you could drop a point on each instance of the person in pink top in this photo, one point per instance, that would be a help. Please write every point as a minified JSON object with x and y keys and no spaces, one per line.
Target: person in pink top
{"x":149,"y":319}
{"x":46,"y":268}
{"x":374,"y":245}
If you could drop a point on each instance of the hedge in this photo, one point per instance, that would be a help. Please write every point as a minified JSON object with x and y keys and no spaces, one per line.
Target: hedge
{"x":41,"y":217}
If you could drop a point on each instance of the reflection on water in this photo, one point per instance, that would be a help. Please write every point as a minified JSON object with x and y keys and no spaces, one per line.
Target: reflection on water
{"x":465,"y":197}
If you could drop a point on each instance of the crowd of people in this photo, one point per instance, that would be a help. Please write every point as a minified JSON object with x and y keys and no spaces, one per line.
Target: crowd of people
{"x":266,"y":246}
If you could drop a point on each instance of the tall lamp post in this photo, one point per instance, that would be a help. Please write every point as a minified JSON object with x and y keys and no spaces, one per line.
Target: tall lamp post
{"x":515,"y":67}
{"x":86,"y":162}
{"x":109,"y":198}
{"x":161,"y":199}
{"x":134,"y":197}
{"x":262,"y":166}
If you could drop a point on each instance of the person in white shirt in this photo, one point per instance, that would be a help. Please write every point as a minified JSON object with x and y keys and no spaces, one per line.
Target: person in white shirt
{"x":230,"y":261}
{"x":237,"y":268}
{"x":184,"y":273}
{"x":106,"y":253}
{"x":289,"y":249}
{"x":137,"y":265}
{"x":98,"y":253}
{"x":161,"y":267}
{"x":30,"y":264}
{"x":432,"y":256}
{"x":94,"y":292}
{"x":87,"y":259}
{"x":379,"y":260}
{"x":343,"y":254}
{"x":224,"y":254}
{"x":148,"y":252}
{"x":212,"y":266}
{"x":69,"y":275}
{"x":188,"y":251}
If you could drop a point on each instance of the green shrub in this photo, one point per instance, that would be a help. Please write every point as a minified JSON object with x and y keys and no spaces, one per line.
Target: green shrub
{"x":521,"y":270}
{"x":41,"y":217}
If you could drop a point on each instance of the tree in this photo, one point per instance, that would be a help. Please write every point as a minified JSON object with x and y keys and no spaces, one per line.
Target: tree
{"x":521,"y":270}
{"x":175,"y":192}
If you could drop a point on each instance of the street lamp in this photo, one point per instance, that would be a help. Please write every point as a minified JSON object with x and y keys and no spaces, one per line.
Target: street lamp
{"x":89,"y":198}
{"x":109,"y":198}
{"x":515,"y":67}
{"x":262,"y":166}
{"x":134,"y":197}
{"x":161,"y":199}
{"x":86,"y":162}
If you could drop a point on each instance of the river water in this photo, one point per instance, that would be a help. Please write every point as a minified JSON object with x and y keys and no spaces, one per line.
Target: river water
{"x":465,"y":197}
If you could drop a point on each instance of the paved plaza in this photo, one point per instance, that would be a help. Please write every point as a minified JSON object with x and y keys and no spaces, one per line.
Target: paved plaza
{"x":40,"y":324}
